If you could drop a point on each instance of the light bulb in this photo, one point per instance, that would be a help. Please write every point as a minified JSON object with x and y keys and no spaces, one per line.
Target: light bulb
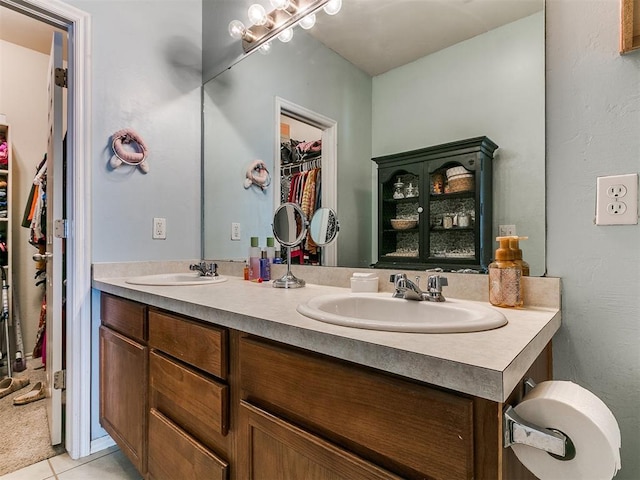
{"x":308,"y":22}
{"x":257,"y":14}
{"x":280,"y":4}
{"x":265,"y":48}
{"x":332,"y":7}
{"x":286,"y":35}
{"x":236,"y":29}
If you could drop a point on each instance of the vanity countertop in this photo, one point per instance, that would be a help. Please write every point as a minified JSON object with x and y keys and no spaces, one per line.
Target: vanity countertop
{"x":485,"y":364}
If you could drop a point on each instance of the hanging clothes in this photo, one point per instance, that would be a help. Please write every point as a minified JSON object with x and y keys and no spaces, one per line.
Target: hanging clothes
{"x":35,"y":214}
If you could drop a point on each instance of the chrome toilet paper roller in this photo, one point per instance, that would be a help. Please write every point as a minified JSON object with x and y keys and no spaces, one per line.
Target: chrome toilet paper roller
{"x":561,"y":430}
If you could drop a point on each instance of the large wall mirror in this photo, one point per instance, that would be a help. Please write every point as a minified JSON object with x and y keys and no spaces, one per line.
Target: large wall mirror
{"x":482,"y":74}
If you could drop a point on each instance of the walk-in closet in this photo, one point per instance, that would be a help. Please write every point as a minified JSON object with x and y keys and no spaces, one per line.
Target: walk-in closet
{"x":24,"y":51}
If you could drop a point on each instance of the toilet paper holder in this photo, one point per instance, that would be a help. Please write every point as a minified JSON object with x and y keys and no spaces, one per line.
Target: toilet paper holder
{"x":518,"y":430}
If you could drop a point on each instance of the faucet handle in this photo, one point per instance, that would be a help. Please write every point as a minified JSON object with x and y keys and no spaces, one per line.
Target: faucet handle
{"x":436,"y":282}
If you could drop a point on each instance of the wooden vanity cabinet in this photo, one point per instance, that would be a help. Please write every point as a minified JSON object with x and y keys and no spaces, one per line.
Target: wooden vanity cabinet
{"x":185,"y":399}
{"x":123,"y":376}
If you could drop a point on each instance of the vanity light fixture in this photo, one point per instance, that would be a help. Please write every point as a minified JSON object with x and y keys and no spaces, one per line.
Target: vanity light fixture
{"x":279,"y":22}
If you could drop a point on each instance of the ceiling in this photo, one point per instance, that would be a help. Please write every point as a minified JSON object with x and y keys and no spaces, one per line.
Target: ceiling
{"x":379,"y":35}
{"x":375,"y":35}
{"x":25,"y":31}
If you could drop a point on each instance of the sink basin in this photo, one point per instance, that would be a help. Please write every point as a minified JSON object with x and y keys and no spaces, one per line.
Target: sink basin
{"x":380,"y":311}
{"x":165,"y":279}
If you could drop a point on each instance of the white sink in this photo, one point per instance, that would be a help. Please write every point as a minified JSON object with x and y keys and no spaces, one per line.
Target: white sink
{"x":380,"y":311}
{"x":166,"y":279}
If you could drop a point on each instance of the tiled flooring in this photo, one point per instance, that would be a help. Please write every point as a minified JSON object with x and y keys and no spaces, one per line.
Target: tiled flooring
{"x":109,"y":464}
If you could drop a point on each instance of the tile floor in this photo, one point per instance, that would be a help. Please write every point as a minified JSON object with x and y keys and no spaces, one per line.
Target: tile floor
{"x":109,"y":464}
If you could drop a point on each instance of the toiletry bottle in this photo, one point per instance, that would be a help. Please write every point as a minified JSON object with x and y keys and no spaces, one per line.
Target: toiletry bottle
{"x":265,"y":267}
{"x":514,"y":245}
{"x":505,"y":286}
{"x":271,"y":250}
{"x":245,"y":271}
{"x":254,"y":259}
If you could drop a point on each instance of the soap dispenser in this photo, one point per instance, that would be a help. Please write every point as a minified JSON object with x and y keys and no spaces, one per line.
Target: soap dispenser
{"x":514,"y":245}
{"x":505,"y":286}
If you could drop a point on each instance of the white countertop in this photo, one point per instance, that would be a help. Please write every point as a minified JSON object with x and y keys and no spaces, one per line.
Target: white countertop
{"x":485,"y":364}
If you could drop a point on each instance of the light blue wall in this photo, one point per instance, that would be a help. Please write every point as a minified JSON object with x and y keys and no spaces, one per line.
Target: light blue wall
{"x":593,"y":124}
{"x":240,"y":124}
{"x":146,"y":72}
{"x":492,"y":85}
{"x":146,"y":75}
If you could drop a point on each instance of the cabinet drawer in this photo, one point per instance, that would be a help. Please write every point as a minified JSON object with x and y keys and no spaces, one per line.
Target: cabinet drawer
{"x":195,"y":402}
{"x":173,"y":454}
{"x":279,"y":449}
{"x":408,"y":428}
{"x":124,"y":316}
{"x":203,"y":346}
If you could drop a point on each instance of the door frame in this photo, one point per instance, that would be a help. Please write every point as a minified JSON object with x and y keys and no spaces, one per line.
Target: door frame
{"x":329,"y":170}
{"x":77,"y":439}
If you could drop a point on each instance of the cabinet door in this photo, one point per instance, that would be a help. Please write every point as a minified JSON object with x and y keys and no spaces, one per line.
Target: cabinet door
{"x":175,"y":455}
{"x":123,"y":394}
{"x":275,"y":449}
{"x":400,"y":214}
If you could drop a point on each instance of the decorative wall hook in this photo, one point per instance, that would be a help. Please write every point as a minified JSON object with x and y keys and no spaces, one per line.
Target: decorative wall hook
{"x":257,"y":174}
{"x":137,"y":158}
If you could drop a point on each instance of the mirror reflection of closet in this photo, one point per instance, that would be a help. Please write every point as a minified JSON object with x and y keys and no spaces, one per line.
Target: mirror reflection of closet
{"x":306,"y":166}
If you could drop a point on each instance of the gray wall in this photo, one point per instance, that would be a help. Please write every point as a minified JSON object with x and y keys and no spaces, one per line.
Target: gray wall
{"x":593,"y":119}
{"x":239,"y":114}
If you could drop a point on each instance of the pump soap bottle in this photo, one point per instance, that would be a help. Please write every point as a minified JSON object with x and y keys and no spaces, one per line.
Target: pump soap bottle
{"x":514,"y":245}
{"x":505,"y":286}
{"x":254,"y":259}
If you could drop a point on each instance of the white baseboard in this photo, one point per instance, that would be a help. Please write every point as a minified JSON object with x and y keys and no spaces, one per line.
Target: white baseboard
{"x":101,"y":443}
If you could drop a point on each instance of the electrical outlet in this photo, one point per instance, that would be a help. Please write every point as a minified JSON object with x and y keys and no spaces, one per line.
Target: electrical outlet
{"x":616,"y":208}
{"x":235,"y":231}
{"x":616,"y":191}
{"x":617,"y":200}
{"x":159,"y":228}
{"x":506,"y":230}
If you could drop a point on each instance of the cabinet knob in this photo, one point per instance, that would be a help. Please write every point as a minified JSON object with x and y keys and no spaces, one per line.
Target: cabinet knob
{"x":420,"y":209}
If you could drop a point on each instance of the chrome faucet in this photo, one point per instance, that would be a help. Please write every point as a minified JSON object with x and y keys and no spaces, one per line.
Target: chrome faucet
{"x":205,"y":269}
{"x":409,"y":290}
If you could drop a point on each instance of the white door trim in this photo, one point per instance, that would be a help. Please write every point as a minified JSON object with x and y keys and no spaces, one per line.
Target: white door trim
{"x":329,"y":170}
{"x":78,"y":248}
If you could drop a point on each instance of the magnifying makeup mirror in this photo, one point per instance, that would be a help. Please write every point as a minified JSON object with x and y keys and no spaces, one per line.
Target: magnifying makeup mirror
{"x":324,"y":227}
{"x":289,"y":228}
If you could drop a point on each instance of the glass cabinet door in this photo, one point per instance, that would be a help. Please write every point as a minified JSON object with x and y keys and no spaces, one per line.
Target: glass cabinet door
{"x":400,"y":214}
{"x":452,"y":214}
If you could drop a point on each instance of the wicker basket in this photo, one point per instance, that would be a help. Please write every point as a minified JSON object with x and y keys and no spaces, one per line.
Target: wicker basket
{"x":403,"y":224}
{"x":461,"y":183}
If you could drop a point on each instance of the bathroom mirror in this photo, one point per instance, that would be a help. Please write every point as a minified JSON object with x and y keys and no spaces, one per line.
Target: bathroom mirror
{"x":324,"y":226}
{"x":491,"y":83}
{"x":289,"y":228}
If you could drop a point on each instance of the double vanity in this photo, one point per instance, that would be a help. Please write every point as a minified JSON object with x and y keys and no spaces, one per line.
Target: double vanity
{"x":229,"y":380}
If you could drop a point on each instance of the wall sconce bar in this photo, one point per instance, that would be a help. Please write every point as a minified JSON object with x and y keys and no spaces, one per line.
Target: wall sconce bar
{"x":280,"y":20}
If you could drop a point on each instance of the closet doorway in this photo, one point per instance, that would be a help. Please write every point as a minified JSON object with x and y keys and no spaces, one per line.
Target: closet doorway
{"x":306,"y":151}
{"x":75,"y":24}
